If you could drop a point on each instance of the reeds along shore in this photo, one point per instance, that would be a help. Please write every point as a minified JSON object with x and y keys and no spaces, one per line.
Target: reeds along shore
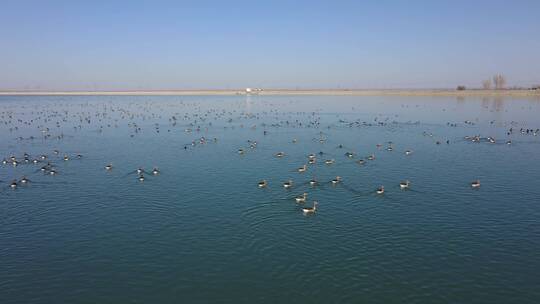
{"x":389,"y":92}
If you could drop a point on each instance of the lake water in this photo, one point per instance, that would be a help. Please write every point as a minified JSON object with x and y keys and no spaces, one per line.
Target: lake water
{"x":202,"y":231}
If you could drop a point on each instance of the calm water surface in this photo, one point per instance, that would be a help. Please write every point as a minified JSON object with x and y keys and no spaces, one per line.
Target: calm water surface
{"x":202,"y":231}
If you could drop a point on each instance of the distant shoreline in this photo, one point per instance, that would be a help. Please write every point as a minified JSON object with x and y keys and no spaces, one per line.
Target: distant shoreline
{"x":285,"y":92}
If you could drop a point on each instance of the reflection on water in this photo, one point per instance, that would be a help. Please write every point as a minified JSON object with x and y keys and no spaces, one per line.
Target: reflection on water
{"x":203,"y":231}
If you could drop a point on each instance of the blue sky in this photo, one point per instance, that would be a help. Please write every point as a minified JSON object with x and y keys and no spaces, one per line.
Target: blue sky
{"x":118,"y":45}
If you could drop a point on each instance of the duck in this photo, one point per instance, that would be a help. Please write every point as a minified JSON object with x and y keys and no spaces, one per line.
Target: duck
{"x":336,"y":180}
{"x":262,"y":184}
{"x":241,"y":151}
{"x":288,"y":184}
{"x":4,"y":161}
{"x":380,"y":190}
{"x":313,"y":182}
{"x":360,"y":161}
{"x":302,"y":198}
{"x":311,"y":156}
{"x":329,"y":161}
{"x":280,"y":154}
{"x":310,"y":210}
{"x":371,"y":157}
{"x":349,"y":154}
{"x":408,"y":152}
{"x":475,"y":184}
{"x":404,"y":184}
{"x":140,"y":170}
{"x":24,"y":180}
{"x":155,"y":171}
{"x":141,"y":178}
{"x":108,"y":167}
{"x":52,"y":172}
{"x":13,"y":184}
{"x":302,"y":169}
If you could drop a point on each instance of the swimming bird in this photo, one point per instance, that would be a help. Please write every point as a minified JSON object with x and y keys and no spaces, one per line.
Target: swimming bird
{"x":310,"y":210}
{"x":329,"y":161}
{"x":380,"y":190}
{"x":313,"y":182}
{"x":280,"y":154}
{"x":13,"y":184}
{"x":66,"y":158}
{"x":141,"y":178}
{"x":302,"y":198}
{"x":241,"y":151}
{"x":404,"y":184}
{"x":336,"y":180}
{"x":408,"y":152}
{"x":288,"y":184}
{"x":24,"y":180}
{"x":475,"y":184}
{"x":302,"y":169}
{"x":155,"y":171}
{"x":360,"y":161}
{"x":140,"y":171}
{"x":262,"y":184}
{"x":108,"y":167}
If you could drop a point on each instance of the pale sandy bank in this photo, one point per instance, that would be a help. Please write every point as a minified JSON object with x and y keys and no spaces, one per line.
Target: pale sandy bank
{"x":285,"y":92}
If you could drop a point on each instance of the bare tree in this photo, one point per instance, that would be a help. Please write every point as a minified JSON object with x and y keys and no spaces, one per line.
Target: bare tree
{"x":499,"y":81}
{"x":486,"y":84}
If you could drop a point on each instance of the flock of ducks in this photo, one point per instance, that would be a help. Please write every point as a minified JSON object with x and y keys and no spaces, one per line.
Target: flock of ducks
{"x":139,"y":171}
{"x":47,"y":164}
{"x":49,"y":167}
{"x":47,"y":122}
{"x":312,"y":158}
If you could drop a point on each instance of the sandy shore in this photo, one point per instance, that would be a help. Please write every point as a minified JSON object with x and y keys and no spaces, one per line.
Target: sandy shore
{"x":285,"y":92}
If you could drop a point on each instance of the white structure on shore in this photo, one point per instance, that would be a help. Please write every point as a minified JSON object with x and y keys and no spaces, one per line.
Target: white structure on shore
{"x":250,"y":91}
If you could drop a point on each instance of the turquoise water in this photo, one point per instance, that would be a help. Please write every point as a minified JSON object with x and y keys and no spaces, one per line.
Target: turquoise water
{"x":202,"y":231}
